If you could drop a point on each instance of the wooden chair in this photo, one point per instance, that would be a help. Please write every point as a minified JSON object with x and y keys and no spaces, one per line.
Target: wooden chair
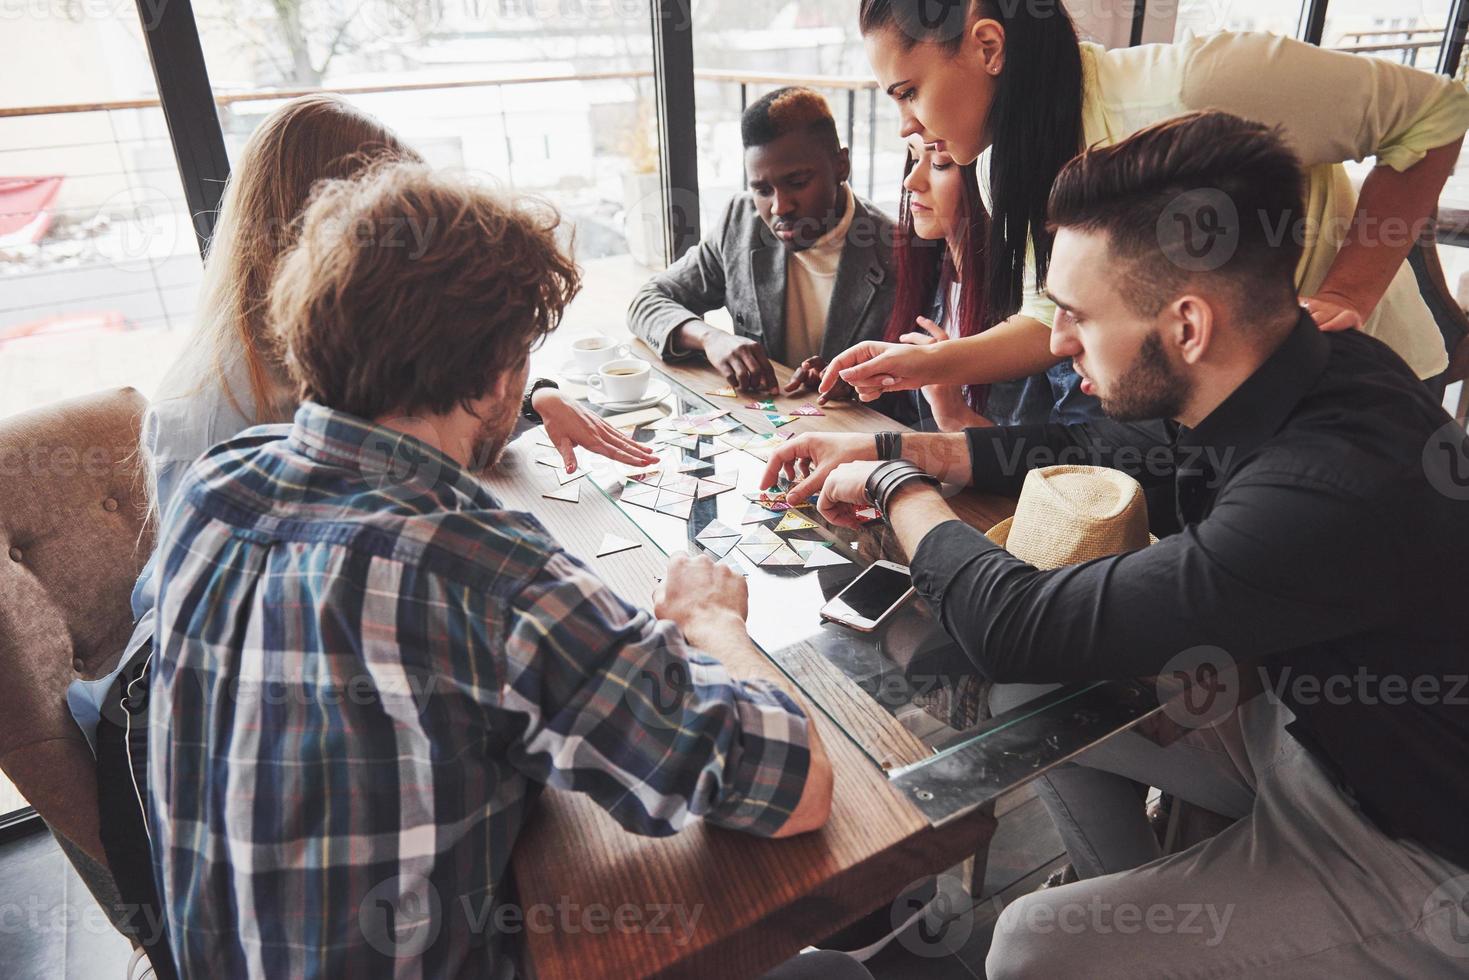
{"x":1452,"y":321}
{"x":73,"y":538}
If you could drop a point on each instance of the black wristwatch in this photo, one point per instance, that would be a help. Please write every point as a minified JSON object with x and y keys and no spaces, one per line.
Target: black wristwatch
{"x":526,"y":409}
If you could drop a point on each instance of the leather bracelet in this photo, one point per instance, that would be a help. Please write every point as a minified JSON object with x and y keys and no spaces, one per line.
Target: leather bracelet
{"x":889,"y":445}
{"x":883,"y":481}
{"x":527,"y":410}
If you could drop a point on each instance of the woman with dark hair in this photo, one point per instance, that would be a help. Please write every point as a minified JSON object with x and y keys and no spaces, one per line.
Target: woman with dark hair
{"x":1010,"y":88}
{"x":1009,"y":85}
{"x":939,"y":257}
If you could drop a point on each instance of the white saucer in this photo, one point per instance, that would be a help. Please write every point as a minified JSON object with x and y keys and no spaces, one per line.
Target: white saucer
{"x":658,"y":390}
{"x":569,"y":371}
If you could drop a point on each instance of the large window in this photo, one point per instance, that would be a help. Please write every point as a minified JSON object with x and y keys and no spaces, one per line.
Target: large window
{"x":1200,"y":17}
{"x":98,"y":262}
{"x":744,"y":49}
{"x":1410,"y":31}
{"x":552,"y":98}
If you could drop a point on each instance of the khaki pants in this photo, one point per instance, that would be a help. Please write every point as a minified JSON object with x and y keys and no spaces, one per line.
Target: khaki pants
{"x":1304,"y":885}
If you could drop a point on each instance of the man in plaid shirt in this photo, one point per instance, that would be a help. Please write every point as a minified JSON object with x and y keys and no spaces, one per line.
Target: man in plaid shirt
{"x":366,"y":668}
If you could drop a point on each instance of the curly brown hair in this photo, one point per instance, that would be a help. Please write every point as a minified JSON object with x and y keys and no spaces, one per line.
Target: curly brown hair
{"x":410,"y":291}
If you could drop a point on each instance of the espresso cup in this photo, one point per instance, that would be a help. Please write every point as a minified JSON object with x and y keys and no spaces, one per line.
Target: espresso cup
{"x":623,"y":380}
{"x":590,"y":353}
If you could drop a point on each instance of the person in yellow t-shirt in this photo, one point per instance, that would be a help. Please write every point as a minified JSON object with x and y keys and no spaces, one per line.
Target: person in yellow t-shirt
{"x":1011,"y":86}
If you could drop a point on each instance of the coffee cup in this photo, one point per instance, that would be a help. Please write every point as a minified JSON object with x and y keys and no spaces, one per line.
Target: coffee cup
{"x":590,"y":353}
{"x":623,"y":380}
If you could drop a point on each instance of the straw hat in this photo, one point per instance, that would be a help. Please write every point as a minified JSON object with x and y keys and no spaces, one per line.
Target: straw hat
{"x":1072,"y":514}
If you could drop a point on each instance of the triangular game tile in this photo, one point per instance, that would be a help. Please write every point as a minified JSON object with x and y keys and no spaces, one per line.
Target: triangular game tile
{"x":822,"y":557}
{"x":717,"y":529}
{"x":675,"y":505}
{"x":723,"y":393}
{"x":712,"y":488}
{"x":808,"y":410}
{"x":720,"y":546}
{"x":612,"y":544}
{"x":783,"y":557}
{"x":765,"y":406}
{"x":571,"y":493}
{"x":757,"y":514}
{"x":794,"y":521}
{"x":757,"y":553}
{"x":760,"y":535}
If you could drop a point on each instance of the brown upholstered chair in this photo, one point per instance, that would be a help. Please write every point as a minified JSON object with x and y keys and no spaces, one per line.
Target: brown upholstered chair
{"x":73,"y":538}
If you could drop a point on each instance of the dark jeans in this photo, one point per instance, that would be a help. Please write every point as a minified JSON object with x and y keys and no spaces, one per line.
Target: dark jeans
{"x":122,"y":757}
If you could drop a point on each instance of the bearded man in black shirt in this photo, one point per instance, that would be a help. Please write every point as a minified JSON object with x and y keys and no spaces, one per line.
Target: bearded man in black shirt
{"x":1320,"y":519}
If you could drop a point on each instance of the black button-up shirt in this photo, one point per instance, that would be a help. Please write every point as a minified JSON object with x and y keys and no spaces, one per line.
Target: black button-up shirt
{"x":1323,"y":542}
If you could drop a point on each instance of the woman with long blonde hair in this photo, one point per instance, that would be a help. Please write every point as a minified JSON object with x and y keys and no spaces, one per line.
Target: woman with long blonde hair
{"x":228,"y":378}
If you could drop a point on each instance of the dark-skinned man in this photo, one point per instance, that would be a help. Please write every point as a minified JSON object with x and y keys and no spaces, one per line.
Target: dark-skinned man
{"x":802,"y":264}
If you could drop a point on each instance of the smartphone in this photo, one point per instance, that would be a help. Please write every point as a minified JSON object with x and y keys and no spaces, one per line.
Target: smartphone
{"x":871,"y":597}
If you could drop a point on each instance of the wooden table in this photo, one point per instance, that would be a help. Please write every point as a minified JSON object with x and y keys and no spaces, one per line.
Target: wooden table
{"x":751,"y":903}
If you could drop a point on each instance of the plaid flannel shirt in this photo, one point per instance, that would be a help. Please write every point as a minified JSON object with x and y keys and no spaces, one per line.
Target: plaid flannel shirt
{"x":364,"y":671}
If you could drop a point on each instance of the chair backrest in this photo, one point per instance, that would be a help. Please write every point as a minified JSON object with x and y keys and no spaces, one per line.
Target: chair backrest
{"x":73,"y":537}
{"x":1452,"y":321}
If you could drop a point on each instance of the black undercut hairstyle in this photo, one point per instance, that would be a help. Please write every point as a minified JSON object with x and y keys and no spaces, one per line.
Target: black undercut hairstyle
{"x":786,"y":110}
{"x":1206,"y":195}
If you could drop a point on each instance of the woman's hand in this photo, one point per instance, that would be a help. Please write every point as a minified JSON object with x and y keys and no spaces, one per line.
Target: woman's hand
{"x":1333,"y":312}
{"x":874,"y":368}
{"x":931,"y":333}
{"x":569,"y":424}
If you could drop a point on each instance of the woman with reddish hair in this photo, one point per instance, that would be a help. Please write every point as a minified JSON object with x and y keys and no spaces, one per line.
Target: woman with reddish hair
{"x":939,"y":257}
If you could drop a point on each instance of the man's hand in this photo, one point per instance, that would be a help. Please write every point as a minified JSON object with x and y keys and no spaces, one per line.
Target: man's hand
{"x":743,"y":362}
{"x":1333,"y":312}
{"x":810,"y":458}
{"x":699,"y":595}
{"x":844,"y":491}
{"x":874,"y":368}
{"x":807,"y":376}
{"x":569,"y":424}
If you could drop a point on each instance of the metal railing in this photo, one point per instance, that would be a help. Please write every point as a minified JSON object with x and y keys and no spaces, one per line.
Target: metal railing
{"x":851,"y":85}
